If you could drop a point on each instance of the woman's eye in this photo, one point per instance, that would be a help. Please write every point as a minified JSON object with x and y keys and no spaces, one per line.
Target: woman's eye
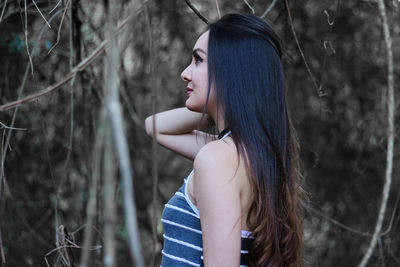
{"x":197,"y":59}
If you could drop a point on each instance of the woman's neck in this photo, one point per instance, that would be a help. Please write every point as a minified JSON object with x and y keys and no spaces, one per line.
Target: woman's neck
{"x":219,"y":121}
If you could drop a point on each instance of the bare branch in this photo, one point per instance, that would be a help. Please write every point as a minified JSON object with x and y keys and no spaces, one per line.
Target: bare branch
{"x":26,"y":38}
{"x":389,"y":228}
{"x":154,"y":168}
{"x":40,"y":13}
{"x":59,"y":27}
{"x":117,"y":126}
{"x":390,"y":134}
{"x":4,"y":152}
{"x":108,"y":199}
{"x":66,"y":246}
{"x":3,"y":257}
{"x":319,"y":89}
{"x":12,"y":128}
{"x":80,"y":67}
{"x":270,"y":7}
{"x":50,"y":20}
{"x":2,"y":12}
{"x":6,"y":144}
{"x":59,"y":2}
{"x":196,"y":11}
{"x":92,"y":202}
{"x":71,"y":84}
{"x":219,"y":13}
{"x":251,"y":8}
{"x":327,"y":15}
{"x":22,"y":215}
{"x":326,"y":43}
{"x":111,"y":81}
{"x":350,"y":229}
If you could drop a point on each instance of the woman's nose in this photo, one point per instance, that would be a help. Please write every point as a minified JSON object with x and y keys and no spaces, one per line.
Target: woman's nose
{"x":185,"y":75}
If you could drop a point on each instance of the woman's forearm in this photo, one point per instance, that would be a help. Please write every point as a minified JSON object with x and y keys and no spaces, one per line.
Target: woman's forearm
{"x":176,"y":121}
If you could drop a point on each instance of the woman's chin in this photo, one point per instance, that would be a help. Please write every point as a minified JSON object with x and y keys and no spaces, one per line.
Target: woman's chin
{"x":194,"y":106}
{"x":194,"y":109}
{"x":190,"y":106}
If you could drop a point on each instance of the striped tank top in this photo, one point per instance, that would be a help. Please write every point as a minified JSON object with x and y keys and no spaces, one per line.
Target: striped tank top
{"x":182,"y":232}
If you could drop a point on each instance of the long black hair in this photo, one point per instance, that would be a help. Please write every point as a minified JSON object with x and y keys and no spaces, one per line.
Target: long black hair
{"x":244,"y":67}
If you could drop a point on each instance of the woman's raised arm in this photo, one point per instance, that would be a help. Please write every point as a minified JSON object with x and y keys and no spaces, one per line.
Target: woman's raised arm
{"x":175,"y":130}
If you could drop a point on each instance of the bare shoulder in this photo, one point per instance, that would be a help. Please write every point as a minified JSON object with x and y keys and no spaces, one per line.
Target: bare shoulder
{"x":216,"y":152}
{"x":217,"y":158}
{"x":220,"y":185}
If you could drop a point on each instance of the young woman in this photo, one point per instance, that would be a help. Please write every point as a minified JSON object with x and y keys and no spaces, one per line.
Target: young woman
{"x":241,"y":203}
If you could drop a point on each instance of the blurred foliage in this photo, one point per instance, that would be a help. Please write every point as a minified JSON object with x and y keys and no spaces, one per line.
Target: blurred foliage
{"x":341,"y":122}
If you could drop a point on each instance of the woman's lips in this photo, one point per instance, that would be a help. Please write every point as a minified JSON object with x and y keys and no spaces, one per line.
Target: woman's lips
{"x":189,"y":90}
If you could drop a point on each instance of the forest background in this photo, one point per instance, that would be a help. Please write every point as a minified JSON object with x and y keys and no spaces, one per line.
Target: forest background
{"x":65,"y":176}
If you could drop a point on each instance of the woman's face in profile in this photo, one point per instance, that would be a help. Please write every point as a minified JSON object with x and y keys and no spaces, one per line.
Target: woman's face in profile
{"x":196,"y":74}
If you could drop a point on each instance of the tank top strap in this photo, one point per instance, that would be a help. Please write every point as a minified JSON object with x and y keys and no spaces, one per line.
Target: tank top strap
{"x":226,"y":135}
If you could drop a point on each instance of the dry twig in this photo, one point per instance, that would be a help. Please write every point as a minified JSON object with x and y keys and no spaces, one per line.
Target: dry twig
{"x":319,"y":89}
{"x":3,"y":257}
{"x":92,"y":202}
{"x":389,"y":228}
{"x":54,"y":8}
{"x":80,"y":67}
{"x":7,"y":142}
{"x":71,"y":84}
{"x":26,"y":38}
{"x":390,"y":135}
{"x":337,"y":223}
{"x":196,"y":11}
{"x":4,"y":154}
{"x":59,"y":28}
{"x":116,"y":122}
{"x":109,"y":199}
{"x":66,"y":242}
{"x":40,"y":13}
{"x":219,"y":12}
{"x":270,"y":7}
{"x":109,"y":167}
{"x":12,"y":128}
{"x":248,"y":4}
{"x":2,"y":12}
{"x":154,"y":154}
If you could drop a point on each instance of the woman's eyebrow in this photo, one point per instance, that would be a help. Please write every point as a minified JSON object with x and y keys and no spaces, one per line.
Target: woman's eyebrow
{"x":199,"y":49}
